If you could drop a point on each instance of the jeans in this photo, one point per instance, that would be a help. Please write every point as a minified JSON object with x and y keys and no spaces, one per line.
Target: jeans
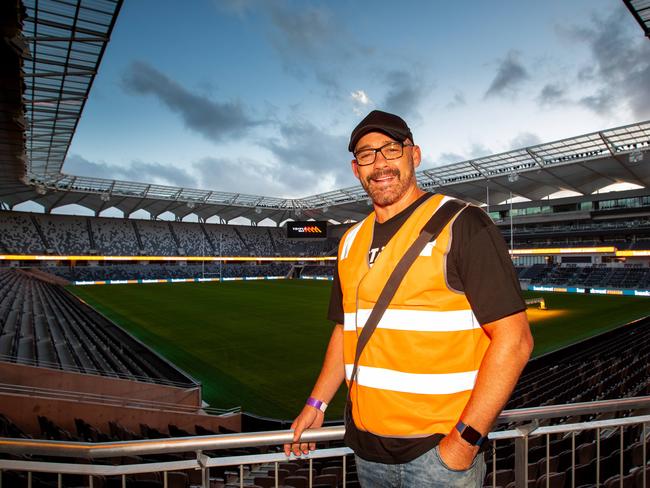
{"x":427,"y":470}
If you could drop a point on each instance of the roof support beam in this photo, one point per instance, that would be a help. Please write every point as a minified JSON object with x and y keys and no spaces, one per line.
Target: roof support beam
{"x":611,"y":148}
{"x":539,"y":161}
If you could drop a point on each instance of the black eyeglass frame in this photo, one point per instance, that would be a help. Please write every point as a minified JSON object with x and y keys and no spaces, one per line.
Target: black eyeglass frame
{"x":381,"y":150}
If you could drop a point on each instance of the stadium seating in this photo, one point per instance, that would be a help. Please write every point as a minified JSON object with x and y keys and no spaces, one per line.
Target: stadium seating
{"x":19,"y":234}
{"x":115,"y":237}
{"x":46,"y":326}
{"x":31,"y":233}
{"x":65,"y":234}
{"x":621,"y":277}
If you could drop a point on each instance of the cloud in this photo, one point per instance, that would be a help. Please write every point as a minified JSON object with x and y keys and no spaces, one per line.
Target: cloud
{"x":620,"y":66}
{"x":360,"y":102}
{"x":306,"y":147}
{"x":476,"y":150}
{"x":509,"y":77}
{"x":525,"y":139}
{"x":312,"y":41}
{"x":479,"y":150}
{"x":406,"y":90}
{"x":449,"y":158}
{"x":214,"y":120}
{"x":237,"y":7}
{"x":137,"y":171}
{"x":360,"y":96}
{"x":550,"y":95}
{"x":457,"y":101}
{"x":304,"y":159}
{"x":246,"y":175}
{"x":602,"y":102}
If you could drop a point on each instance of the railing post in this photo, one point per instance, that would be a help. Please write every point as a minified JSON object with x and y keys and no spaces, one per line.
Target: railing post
{"x":202,"y":459}
{"x":521,"y":462}
{"x":521,"y":455}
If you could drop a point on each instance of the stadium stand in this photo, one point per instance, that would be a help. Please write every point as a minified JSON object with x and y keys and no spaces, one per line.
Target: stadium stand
{"x":44,"y":325}
{"x":19,"y":236}
{"x":612,"y":365}
{"x":114,"y":237}
{"x":632,"y":276}
{"x":27,"y":233}
{"x":65,"y":233}
{"x":156,"y":238}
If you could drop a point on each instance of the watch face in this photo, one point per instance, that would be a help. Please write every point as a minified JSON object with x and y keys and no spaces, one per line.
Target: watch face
{"x":471,"y":435}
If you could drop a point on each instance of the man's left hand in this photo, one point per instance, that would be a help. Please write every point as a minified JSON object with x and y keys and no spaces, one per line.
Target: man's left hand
{"x":457,"y":453}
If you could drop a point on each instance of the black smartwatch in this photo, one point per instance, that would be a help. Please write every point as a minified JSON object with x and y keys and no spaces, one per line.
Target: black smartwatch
{"x":470,"y":434}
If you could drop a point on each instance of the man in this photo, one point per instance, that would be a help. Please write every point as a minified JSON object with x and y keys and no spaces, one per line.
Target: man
{"x":449,"y":349}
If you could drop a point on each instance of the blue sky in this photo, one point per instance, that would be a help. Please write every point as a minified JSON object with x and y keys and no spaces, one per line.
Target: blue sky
{"x":260,"y":96}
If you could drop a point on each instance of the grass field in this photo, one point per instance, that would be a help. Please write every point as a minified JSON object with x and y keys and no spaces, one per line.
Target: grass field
{"x":259,"y":344}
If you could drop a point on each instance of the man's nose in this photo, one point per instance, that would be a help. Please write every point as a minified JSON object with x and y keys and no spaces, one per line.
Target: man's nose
{"x":380,"y":160}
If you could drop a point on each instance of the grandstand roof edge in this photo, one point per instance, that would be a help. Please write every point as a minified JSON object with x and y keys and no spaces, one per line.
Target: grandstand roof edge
{"x":564,"y":151}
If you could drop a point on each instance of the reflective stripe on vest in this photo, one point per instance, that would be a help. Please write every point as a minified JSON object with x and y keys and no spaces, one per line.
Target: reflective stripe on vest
{"x":418,"y":369}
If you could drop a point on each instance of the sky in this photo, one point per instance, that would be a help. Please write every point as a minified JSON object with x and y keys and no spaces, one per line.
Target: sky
{"x":260,"y":96}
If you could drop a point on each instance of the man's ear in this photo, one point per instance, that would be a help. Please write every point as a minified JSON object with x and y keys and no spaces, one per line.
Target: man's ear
{"x":355,"y":168}
{"x":417,"y":156}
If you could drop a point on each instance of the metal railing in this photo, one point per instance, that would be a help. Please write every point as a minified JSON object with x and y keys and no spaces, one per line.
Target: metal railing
{"x":522,"y":435}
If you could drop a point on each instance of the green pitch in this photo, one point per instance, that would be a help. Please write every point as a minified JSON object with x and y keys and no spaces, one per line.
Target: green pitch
{"x":259,"y":344}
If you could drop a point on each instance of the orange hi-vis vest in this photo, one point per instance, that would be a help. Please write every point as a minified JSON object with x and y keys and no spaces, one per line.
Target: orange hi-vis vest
{"x":418,"y":370}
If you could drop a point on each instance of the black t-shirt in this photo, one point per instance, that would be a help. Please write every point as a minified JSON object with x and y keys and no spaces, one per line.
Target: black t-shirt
{"x":478,"y":264}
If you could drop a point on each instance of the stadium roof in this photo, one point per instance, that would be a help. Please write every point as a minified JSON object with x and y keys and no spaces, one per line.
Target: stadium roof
{"x":62,"y":43}
{"x":640,"y":10}
{"x":582,"y":164}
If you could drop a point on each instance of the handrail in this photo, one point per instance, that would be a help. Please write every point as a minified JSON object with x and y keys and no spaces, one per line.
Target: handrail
{"x":202,"y":461}
{"x":583,"y":408}
{"x":239,"y":440}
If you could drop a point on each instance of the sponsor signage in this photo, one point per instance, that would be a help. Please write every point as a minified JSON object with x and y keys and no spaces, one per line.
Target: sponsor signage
{"x":311,"y":229}
{"x":593,"y":291}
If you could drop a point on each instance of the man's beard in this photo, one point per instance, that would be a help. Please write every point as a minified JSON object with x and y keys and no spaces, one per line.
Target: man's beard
{"x":385,"y":194}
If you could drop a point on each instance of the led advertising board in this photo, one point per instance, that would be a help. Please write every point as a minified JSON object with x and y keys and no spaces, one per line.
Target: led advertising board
{"x":312,"y":229}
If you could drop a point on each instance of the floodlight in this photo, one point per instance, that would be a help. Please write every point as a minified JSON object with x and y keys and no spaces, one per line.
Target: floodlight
{"x":512,"y":177}
{"x":635,"y":156}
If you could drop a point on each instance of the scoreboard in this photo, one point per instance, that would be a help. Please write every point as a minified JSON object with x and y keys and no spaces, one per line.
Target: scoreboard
{"x":311,"y":229}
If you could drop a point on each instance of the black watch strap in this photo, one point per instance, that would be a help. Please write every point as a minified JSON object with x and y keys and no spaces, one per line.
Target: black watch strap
{"x":470,"y":434}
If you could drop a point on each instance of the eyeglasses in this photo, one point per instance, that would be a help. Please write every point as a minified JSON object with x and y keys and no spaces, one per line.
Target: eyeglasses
{"x":392,"y":150}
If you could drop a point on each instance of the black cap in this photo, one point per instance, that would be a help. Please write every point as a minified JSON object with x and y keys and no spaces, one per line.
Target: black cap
{"x":379,"y":121}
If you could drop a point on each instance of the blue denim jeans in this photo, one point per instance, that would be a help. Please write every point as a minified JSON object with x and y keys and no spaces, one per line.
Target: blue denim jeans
{"x":428,"y":470}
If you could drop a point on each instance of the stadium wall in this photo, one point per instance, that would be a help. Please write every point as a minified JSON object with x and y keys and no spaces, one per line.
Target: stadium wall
{"x":63,"y":396}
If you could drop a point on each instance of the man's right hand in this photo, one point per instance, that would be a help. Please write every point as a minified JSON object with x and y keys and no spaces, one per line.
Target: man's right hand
{"x":309,"y":418}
